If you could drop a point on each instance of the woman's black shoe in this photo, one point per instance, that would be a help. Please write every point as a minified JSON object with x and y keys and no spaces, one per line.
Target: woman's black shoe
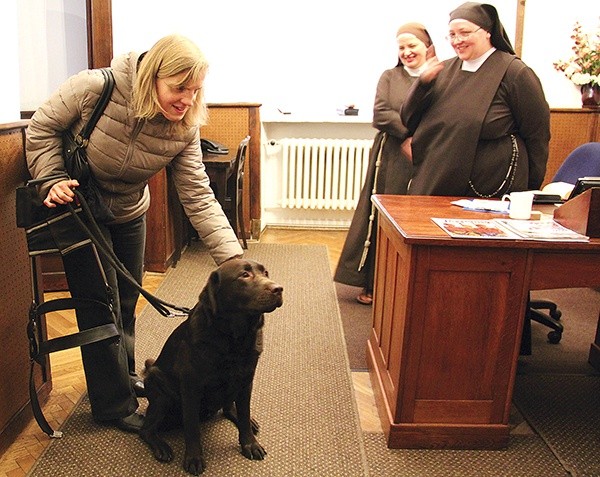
{"x":132,"y":423}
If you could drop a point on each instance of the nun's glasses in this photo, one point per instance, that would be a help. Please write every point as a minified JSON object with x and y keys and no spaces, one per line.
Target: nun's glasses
{"x":461,"y":36}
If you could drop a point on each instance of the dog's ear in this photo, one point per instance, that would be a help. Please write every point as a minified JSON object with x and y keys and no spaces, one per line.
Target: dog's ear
{"x":209,"y":300}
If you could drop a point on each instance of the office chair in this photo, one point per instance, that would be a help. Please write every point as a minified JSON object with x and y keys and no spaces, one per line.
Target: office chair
{"x":584,"y":161}
{"x":234,"y":199}
{"x":581,"y":162}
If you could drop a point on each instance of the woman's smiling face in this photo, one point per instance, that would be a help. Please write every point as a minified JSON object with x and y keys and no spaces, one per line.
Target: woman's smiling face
{"x":176,"y":98}
{"x":412,"y":52}
{"x":468,"y":40}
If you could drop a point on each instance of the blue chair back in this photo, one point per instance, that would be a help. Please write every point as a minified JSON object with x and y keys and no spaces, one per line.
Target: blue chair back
{"x":584,"y":161}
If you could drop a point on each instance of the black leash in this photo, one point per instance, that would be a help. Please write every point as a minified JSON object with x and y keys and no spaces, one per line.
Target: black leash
{"x":97,"y":238}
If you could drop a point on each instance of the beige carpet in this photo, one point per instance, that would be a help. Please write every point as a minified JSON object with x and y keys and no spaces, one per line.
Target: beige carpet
{"x":303,"y":396}
{"x":526,"y":456}
{"x":304,"y":402}
{"x":356,"y":320}
{"x":565,"y":411}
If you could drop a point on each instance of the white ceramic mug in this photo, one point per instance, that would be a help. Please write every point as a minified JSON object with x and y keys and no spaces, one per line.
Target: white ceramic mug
{"x":520,"y":204}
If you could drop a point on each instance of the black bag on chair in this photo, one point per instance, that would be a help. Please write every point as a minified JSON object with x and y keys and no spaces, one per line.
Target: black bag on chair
{"x":75,"y":157}
{"x":48,"y":230}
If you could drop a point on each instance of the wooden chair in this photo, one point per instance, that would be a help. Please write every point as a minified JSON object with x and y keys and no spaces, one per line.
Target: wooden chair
{"x":234,"y":199}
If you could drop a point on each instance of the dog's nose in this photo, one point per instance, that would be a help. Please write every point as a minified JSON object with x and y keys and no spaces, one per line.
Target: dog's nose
{"x":276,"y":289}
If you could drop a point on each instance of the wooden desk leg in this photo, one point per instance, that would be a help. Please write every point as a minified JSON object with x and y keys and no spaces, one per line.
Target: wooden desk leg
{"x":594,"y":357}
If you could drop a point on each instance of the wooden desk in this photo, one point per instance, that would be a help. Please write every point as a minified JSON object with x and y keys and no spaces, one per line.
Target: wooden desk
{"x":219,"y":168}
{"x":447,"y":322}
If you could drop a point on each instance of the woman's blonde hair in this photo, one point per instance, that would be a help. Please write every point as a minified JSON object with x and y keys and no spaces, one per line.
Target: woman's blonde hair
{"x":168,"y":57}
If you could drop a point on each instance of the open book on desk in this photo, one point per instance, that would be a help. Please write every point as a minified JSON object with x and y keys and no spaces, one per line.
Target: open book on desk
{"x":546,"y":230}
{"x":501,"y":207}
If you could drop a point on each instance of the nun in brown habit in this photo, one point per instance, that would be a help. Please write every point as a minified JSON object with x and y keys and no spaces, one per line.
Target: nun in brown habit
{"x":390,"y":166}
{"x":480,"y":121}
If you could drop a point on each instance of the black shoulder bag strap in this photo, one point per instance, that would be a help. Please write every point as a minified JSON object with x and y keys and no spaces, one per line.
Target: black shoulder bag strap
{"x":109,"y":84}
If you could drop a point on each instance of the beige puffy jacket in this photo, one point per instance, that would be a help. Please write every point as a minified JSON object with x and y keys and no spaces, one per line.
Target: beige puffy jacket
{"x":124,"y":152}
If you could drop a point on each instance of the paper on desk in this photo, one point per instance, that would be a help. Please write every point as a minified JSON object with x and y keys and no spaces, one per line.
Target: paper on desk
{"x":542,"y":230}
{"x":483,"y":204}
{"x":545,"y":230}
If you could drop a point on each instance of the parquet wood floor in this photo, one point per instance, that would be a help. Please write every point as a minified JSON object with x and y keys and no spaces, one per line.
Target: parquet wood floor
{"x":69,"y":382}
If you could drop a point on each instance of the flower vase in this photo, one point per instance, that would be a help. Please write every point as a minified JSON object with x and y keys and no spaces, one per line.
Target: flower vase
{"x":590,"y":96}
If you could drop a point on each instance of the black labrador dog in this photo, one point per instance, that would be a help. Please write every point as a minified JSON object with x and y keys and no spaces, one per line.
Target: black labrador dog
{"x":208,"y":363}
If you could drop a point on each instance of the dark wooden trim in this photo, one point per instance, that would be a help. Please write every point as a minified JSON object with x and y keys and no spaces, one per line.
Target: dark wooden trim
{"x":519,"y":27}
{"x":99,"y":31}
{"x":255,"y":173}
{"x":234,"y":105}
{"x":8,"y":127}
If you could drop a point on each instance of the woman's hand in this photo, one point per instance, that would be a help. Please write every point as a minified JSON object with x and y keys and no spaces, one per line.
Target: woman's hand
{"x":433,"y":66}
{"x":61,"y":193}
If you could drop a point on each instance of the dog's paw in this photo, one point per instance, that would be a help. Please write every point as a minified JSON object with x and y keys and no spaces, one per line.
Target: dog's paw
{"x":195,"y":465}
{"x":162,"y":452}
{"x":253,"y":451}
{"x":160,"y":449}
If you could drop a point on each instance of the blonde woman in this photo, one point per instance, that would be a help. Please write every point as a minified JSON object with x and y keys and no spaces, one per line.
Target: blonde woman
{"x":152,"y":120}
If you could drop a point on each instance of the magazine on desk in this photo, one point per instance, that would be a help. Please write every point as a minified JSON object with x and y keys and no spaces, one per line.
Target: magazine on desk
{"x":547,"y":230}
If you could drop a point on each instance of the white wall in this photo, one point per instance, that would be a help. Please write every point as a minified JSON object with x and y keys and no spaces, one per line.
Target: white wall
{"x":320,"y":54}
{"x":547,"y":39}
{"x":52,"y":46}
{"x":310,"y":55}
{"x":9,"y":80}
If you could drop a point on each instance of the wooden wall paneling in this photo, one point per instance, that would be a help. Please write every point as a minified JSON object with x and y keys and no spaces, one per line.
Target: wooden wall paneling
{"x":229,"y":123}
{"x":163,"y":244}
{"x":16,"y":280}
{"x":569,"y":128}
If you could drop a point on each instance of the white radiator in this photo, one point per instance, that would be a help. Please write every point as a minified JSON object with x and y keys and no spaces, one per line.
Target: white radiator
{"x":323,"y":173}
